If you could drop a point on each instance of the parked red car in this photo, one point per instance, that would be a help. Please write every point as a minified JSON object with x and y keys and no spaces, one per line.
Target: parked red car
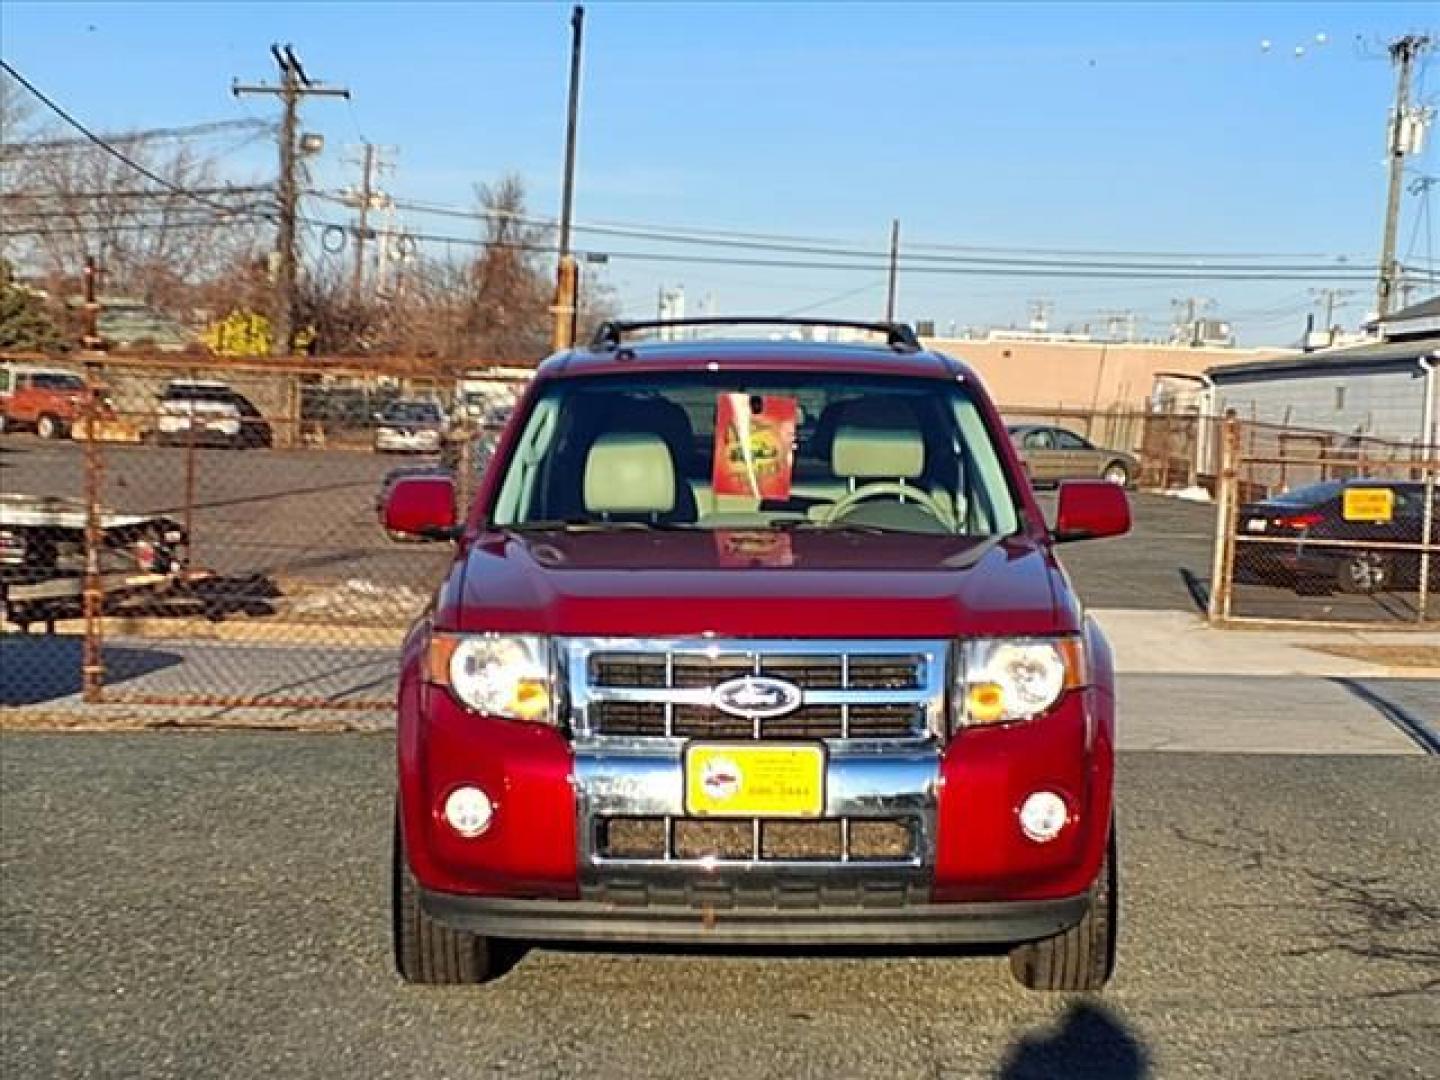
{"x":756,"y":642}
{"x":50,"y":401}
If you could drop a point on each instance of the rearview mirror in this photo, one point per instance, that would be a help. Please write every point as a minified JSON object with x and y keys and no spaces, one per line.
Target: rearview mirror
{"x":422,"y":507}
{"x":1091,"y":509}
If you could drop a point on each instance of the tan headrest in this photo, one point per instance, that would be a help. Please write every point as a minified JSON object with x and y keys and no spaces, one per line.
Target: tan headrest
{"x":629,"y":473}
{"x":877,"y":439}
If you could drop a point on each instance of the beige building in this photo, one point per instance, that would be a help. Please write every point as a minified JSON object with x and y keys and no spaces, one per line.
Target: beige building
{"x":1084,"y":374}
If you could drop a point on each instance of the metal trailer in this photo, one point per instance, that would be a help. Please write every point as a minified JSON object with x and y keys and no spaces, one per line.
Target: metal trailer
{"x":43,"y":557}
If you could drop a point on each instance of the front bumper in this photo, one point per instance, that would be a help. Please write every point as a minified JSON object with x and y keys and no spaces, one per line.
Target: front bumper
{"x":415,"y":442}
{"x":556,"y":795}
{"x":676,"y":924}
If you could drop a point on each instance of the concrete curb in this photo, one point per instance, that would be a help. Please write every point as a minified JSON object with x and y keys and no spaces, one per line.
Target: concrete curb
{"x":340,"y":636}
{"x":1179,"y":643}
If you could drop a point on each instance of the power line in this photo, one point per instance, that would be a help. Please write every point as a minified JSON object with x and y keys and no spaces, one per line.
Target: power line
{"x":707,"y":238}
{"x":869,"y":286}
{"x":877,"y":263}
{"x":145,"y":193}
{"x":119,"y":155}
{"x":189,"y":131}
{"x":699,"y":234}
{"x":115,"y":227}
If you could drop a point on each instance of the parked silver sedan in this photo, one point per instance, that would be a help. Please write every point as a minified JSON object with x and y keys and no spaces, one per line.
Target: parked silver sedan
{"x":1052,"y":454}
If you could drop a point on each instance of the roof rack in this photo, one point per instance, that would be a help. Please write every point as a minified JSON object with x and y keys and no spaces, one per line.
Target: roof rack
{"x":899,"y":336}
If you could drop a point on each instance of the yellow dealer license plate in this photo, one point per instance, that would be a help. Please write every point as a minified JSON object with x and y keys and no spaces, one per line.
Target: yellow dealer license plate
{"x":754,"y":780}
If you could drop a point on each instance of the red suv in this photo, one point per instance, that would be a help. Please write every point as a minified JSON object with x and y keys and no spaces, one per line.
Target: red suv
{"x":50,"y":400}
{"x":756,"y":642}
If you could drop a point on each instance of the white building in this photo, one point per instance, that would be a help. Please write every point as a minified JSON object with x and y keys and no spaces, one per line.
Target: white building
{"x":1385,"y":389}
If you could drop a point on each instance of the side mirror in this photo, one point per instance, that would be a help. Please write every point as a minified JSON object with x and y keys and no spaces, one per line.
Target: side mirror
{"x":423,"y":507}
{"x":1090,"y":509}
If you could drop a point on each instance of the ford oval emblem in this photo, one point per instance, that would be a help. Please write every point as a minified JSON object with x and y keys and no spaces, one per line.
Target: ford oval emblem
{"x":754,"y":697}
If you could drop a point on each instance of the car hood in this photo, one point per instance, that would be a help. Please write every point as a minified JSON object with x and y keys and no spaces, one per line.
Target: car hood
{"x":757,"y":584}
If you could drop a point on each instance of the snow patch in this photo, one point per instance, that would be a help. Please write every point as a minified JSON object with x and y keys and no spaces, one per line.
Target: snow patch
{"x":360,"y":598}
{"x":1190,"y":494}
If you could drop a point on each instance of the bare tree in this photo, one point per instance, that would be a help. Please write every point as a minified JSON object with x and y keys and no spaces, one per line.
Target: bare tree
{"x":65,"y":198}
{"x":151,"y":242}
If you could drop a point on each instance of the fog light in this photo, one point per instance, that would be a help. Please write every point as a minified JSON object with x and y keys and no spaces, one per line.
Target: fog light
{"x":468,"y":811}
{"x":1043,"y":815}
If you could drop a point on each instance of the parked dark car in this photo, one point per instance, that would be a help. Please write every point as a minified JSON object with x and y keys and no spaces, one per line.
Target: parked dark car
{"x":1318,"y":513}
{"x":1052,"y":454}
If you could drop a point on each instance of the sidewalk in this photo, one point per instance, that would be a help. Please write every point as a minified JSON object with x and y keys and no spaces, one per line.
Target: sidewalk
{"x":1182,"y":643}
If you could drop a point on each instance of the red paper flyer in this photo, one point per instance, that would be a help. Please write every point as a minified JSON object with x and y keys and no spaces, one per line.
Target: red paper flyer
{"x":754,"y":445}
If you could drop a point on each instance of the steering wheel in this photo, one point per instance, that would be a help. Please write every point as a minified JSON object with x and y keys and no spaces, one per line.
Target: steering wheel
{"x":918,"y":496}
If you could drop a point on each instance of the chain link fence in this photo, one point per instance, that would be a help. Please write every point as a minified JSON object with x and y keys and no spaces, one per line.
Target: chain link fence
{"x":192,"y":535}
{"x":1157,"y":450}
{"x":1317,"y":527}
{"x":207,"y":534}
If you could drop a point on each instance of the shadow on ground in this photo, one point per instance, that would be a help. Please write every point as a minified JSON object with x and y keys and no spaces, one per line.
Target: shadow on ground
{"x":40,"y":668}
{"x":1088,"y":1041}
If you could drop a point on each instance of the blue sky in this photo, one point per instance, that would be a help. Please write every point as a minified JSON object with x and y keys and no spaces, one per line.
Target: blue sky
{"x":1097,"y":127}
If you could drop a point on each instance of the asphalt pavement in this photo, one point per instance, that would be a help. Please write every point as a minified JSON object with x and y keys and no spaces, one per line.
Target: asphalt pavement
{"x":291,"y":519}
{"x":1164,"y":710}
{"x":258,"y":516}
{"x":181,"y":905}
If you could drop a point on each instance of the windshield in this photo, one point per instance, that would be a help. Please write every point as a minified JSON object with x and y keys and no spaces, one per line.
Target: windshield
{"x":1310,"y":494}
{"x":737,"y":450}
{"x":199,"y":392}
{"x":412,"y":412}
{"x":68,"y":383}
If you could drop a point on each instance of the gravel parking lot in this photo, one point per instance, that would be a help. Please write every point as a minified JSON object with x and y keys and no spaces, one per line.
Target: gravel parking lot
{"x":216,"y":905}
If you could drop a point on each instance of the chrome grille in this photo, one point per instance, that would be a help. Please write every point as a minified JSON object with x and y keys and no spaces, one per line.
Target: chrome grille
{"x":859,"y":689}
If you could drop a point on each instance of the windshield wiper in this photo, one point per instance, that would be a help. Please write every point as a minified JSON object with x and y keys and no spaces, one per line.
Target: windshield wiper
{"x":863,"y":529}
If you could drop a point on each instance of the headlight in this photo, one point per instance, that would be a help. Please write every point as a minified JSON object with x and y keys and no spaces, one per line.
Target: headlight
{"x":1002,"y":680}
{"x":506,"y":675}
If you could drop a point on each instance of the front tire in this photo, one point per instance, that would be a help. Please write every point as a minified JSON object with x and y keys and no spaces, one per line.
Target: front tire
{"x":1365,"y":573}
{"x":47,"y":427}
{"x":1117,"y":474}
{"x":427,"y":951}
{"x":1082,"y":958}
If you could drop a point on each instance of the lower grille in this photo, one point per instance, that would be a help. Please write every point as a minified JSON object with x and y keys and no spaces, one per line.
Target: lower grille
{"x":762,"y":840}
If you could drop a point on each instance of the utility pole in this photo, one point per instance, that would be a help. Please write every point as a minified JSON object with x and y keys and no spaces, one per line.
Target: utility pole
{"x":894,"y":270}
{"x":90,"y":314}
{"x":1407,"y":131}
{"x":364,"y":199}
{"x":367,"y":181}
{"x":294,"y":86}
{"x":1332,"y":299}
{"x":567,"y":273}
